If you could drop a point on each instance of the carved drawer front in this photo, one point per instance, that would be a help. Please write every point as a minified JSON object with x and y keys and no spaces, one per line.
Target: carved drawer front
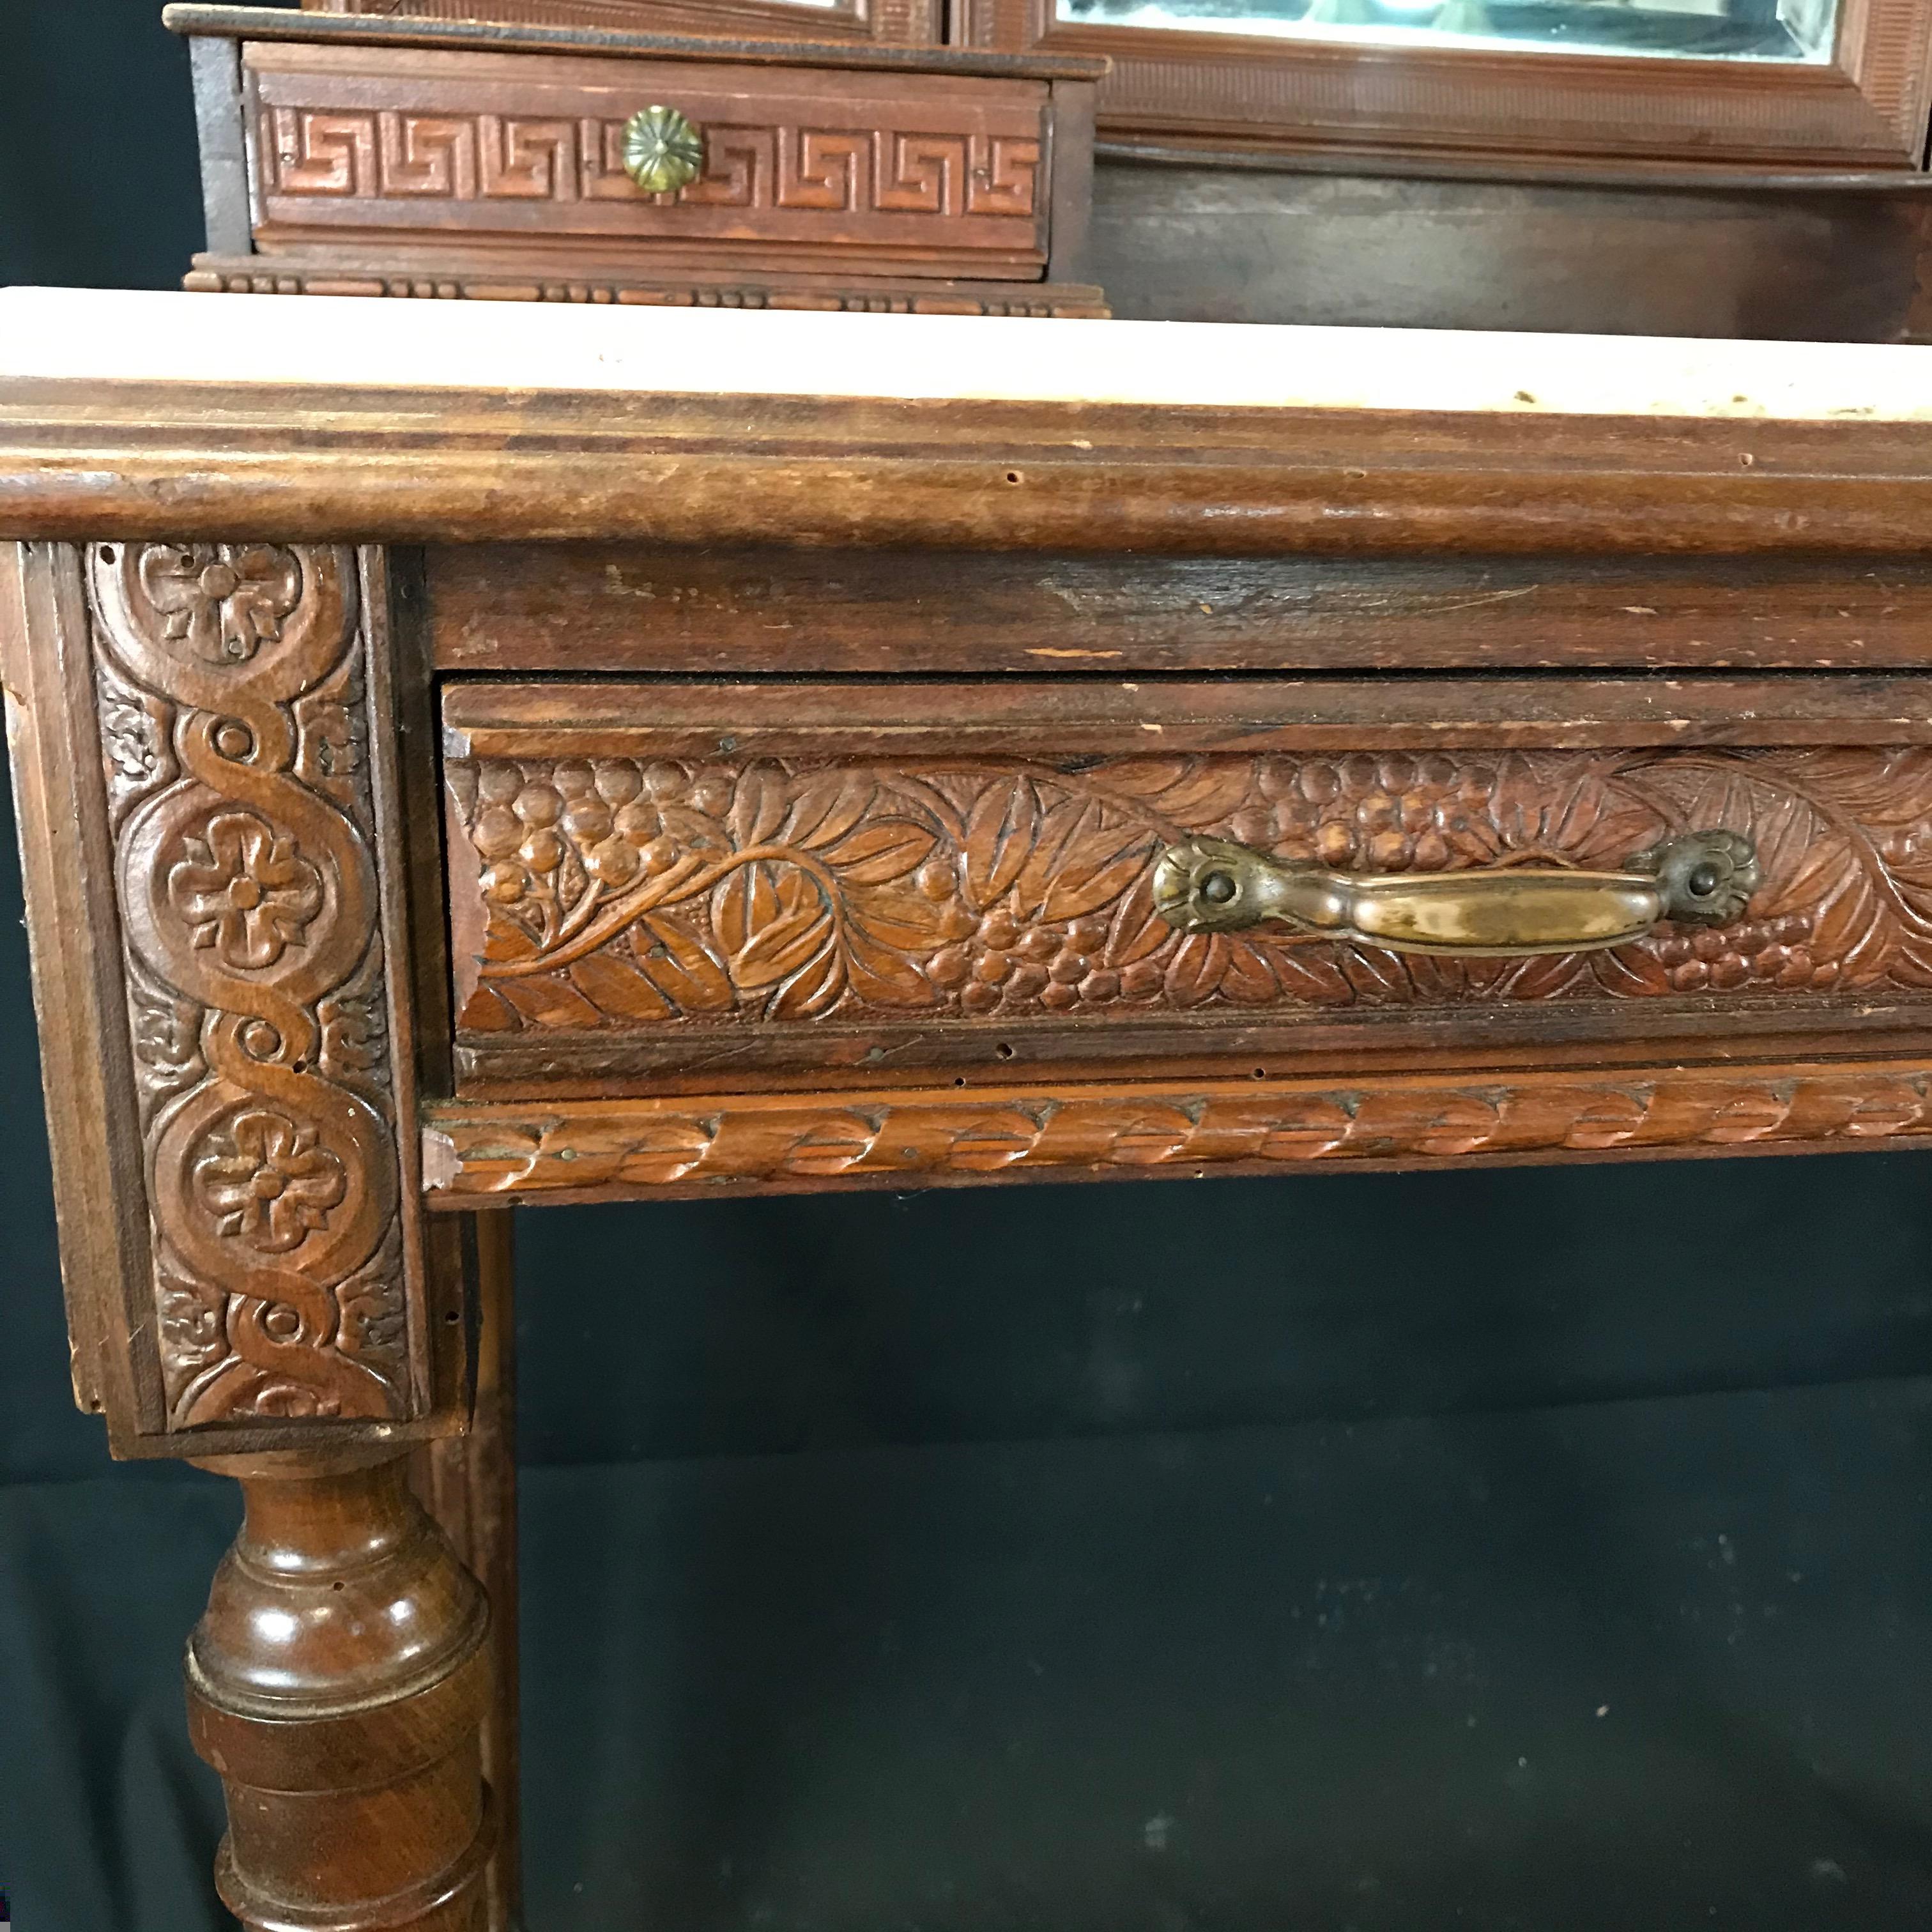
{"x":813,"y":167}
{"x":697,"y":882}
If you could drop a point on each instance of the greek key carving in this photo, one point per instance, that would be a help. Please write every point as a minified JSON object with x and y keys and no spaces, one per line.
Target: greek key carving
{"x":393,"y":153}
{"x":232,"y":734}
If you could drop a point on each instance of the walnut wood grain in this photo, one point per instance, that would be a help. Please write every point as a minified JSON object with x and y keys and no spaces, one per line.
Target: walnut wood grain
{"x":336,"y":1682}
{"x":917,"y":22}
{"x":230,"y":678}
{"x":574,"y":608}
{"x":716,"y":876}
{"x":803,"y":165}
{"x":452,"y":277}
{"x":238,"y":1097}
{"x":228,"y":767}
{"x":458,"y":160}
{"x":468,"y":1485}
{"x":311,"y":464}
{"x":778,"y":1143}
{"x":517,"y":26}
{"x":220,"y":122}
{"x":79,"y":988}
{"x":1503,"y":244}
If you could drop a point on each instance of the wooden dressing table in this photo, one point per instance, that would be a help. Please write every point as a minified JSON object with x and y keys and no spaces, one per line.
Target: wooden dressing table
{"x":467,"y":757}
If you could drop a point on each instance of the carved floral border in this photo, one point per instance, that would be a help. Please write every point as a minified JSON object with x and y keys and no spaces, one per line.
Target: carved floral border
{"x":229,"y":679}
{"x":627,"y":893}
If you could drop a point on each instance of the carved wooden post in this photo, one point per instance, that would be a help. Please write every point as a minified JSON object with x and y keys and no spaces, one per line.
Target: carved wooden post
{"x":229,"y":976}
{"x":338,"y":1682}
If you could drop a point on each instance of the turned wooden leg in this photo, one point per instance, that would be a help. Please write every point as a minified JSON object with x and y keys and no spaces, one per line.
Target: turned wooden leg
{"x":338,"y":1682}
{"x":469,"y":1483}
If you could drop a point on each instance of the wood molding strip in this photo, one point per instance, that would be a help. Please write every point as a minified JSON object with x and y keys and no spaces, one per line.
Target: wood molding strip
{"x":321,"y":464}
{"x":791,"y":1142}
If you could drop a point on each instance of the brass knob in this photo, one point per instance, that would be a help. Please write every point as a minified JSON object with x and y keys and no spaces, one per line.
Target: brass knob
{"x":1703,"y":878}
{"x":662,"y":151}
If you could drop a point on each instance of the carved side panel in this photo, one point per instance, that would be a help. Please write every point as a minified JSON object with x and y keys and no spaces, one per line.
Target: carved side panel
{"x":233,"y":729}
{"x":643,"y":894}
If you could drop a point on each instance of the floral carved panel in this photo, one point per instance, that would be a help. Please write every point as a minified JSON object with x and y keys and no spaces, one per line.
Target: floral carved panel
{"x":619,"y":893}
{"x":230,"y":684}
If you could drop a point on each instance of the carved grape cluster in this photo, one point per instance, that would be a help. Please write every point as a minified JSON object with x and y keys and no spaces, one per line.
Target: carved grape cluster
{"x":1772,"y":952}
{"x":1390,"y":814}
{"x":545,"y":828}
{"x":620,"y":891}
{"x":1015,"y":960}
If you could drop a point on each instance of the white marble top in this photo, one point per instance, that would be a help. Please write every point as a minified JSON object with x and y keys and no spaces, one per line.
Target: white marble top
{"x":94,"y":336}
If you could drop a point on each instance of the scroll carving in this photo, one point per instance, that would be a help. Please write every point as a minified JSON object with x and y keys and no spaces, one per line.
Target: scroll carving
{"x":621,"y":893}
{"x":229,"y":679}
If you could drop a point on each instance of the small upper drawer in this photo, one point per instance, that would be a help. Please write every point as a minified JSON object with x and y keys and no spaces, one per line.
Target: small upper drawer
{"x":923,"y":174}
{"x":727,"y":882}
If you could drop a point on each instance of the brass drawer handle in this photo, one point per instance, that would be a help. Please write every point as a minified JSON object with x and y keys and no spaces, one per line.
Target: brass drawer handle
{"x":662,"y":151}
{"x":1703,"y":878}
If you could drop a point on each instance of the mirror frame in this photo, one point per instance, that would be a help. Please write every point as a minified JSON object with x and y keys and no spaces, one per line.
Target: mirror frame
{"x":1864,"y":109}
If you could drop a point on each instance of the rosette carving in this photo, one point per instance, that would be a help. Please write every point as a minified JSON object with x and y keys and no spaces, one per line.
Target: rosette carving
{"x":230,"y":682}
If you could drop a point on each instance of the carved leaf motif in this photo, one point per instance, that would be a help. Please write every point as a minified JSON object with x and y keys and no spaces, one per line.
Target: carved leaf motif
{"x":785,"y":922}
{"x":758,"y":806}
{"x":1376,"y":974}
{"x":743,"y":901}
{"x":166,"y":1034}
{"x":355,"y":1027}
{"x":1310,"y":973}
{"x":1194,"y":971}
{"x":134,"y":739}
{"x":971,"y":888}
{"x":781,"y":947}
{"x":193,"y":1338}
{"x":1630,"y":971}
{"x":903,"y":919}
{"x":617,"y":989}
{"x":1094,"y":873}
{"x":374,"y":1315}
{"x":1543,"y":977}
{"x":675,"y":960}
{"x":1190,"y":793}
{"x":814,"y":988}
{"x":548,"y":1000}
{"x":882,"y":975}
{"x":1136,"y":930}
{"x":1293,"y":1122}
{"x":1248,"y":980}
{"x":825,"y":807}
{"x":1000,"y":835}
{"x":1067,"y":825}
{"x":877,"y":853}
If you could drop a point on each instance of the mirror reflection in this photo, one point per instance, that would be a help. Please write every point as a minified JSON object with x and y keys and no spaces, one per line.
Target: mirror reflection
{"x":1759,"y":30}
